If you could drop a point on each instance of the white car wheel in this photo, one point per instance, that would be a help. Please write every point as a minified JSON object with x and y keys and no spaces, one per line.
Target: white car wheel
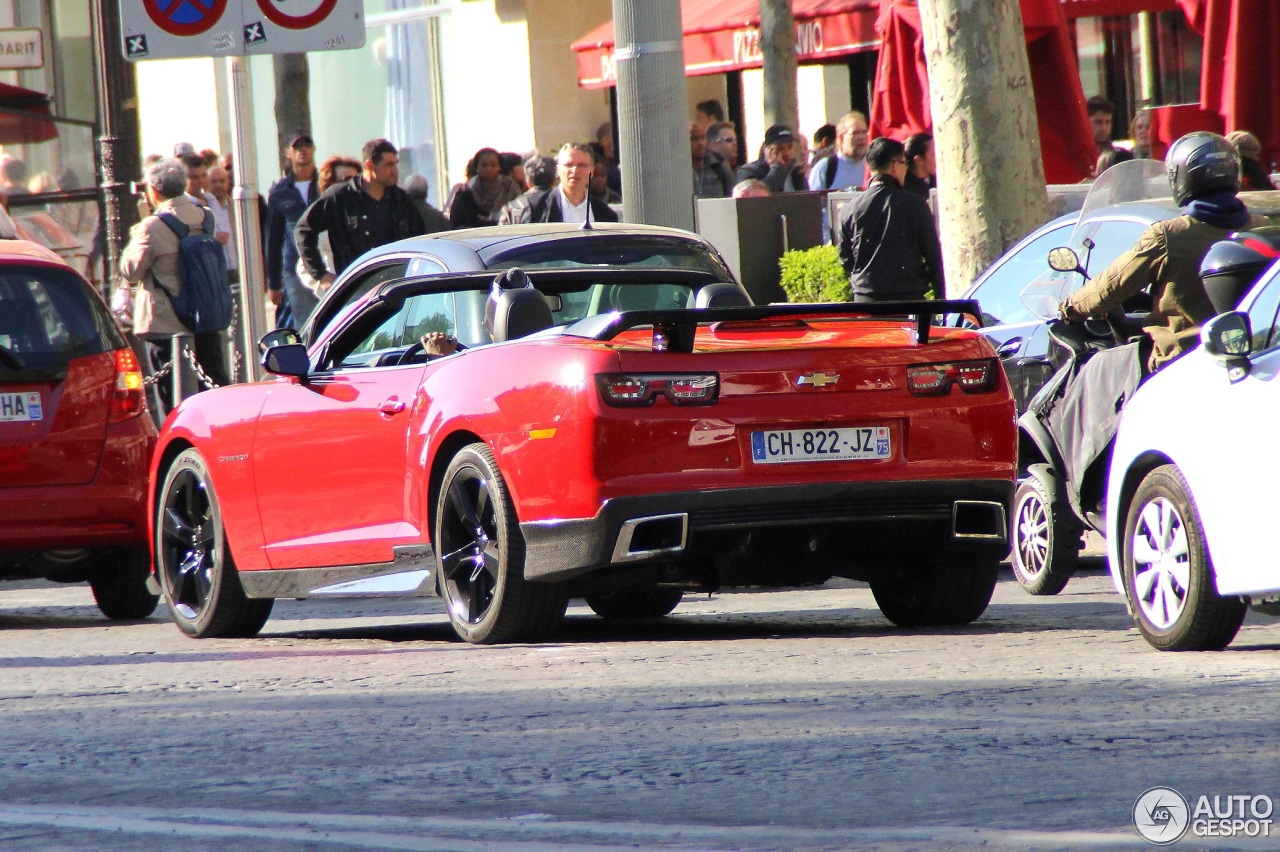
{"x":1168,"y":573}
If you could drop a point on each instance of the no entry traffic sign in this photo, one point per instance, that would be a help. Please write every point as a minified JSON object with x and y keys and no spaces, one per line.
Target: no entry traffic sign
{"x":166,"y":29}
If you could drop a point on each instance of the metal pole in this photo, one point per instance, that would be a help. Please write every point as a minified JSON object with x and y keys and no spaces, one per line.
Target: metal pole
{"x":653,"y":111}
{"x":117,"y":117}
{"x":244,"y":196}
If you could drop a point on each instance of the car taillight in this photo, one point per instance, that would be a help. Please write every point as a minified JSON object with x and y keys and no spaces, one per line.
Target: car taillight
{"x":937,"y":379}
{"x":638,"y":389}
{"x":129,"y":398}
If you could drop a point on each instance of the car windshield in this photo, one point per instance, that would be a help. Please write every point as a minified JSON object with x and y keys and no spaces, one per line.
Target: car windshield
{"x":628,"y":251}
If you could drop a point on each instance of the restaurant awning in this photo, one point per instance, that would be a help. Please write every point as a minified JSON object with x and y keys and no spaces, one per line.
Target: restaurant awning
{"x":20,"y":116}
{"x":724,"y":35}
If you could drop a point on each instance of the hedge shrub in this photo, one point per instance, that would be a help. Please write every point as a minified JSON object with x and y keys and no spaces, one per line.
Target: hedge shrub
{"x":814,"y":275}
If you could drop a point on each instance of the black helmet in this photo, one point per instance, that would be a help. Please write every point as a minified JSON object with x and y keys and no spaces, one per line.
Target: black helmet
{"x":1201,"y":163}
{"x":1232,"y":266}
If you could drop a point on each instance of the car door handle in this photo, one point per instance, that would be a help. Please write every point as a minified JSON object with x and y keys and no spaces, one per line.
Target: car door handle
{"x":391,"y":406}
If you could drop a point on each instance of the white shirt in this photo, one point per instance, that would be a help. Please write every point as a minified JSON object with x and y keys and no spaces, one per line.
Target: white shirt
{"x":304,"y":189}
{"x":573,"y":214}
{"x":222,"y":222}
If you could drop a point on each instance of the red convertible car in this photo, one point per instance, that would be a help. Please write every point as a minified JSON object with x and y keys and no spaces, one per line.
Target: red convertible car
{"x":618,"y":434}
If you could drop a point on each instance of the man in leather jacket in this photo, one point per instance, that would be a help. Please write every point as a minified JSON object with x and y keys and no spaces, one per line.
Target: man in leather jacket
{"x":888,"y":241}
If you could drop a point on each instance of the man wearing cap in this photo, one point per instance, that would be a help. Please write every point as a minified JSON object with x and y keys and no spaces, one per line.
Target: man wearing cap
{"x":777,"y":165}
{"x":287,"y":200}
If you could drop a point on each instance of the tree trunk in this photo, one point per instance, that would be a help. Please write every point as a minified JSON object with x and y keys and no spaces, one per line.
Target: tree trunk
{"x":991,"y":188}
{"x":778,"y":44}
{"x":293,"y":97}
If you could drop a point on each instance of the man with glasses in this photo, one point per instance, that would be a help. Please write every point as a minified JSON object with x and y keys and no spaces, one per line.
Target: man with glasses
{"x":888,"y":241}
{"x":846,"y":168}
{"x":570,"y":201}
{"x":722,"y":140}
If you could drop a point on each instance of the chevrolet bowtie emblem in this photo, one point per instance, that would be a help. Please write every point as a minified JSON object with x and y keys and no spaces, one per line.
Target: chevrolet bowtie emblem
{"x":817,"y":380}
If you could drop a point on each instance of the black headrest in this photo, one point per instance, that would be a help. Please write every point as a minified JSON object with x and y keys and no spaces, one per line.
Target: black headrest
{"x":722,"y":295}
{"x":520,"y":313}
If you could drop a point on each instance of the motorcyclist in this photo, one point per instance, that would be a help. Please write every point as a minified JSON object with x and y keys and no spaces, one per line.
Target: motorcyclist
{"x":1204,"y":175}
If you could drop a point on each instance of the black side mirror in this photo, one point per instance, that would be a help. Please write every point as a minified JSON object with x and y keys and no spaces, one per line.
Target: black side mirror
{"x":289,"y":359}
{"x":278,"y":337}
{"x":1064,"y":259}
{"x":1229,"y":340}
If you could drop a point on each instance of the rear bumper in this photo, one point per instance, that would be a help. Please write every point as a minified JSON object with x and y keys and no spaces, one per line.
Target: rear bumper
{"x":974,"y":512}
{"x":72,"y":516}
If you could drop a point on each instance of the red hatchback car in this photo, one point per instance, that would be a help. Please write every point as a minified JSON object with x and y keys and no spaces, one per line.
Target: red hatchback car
{"x":75,"y":436}
{"x":617,"y":434}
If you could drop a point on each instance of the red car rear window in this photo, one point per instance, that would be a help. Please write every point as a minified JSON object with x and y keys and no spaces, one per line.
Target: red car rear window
{"x":49,"y":316}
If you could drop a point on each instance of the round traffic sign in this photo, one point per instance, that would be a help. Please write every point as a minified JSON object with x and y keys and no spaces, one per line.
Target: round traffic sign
{"x":294,"y":19}
{"x":185,"y":17}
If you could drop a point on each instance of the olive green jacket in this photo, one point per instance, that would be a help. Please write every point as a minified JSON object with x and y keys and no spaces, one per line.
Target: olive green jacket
{"x":1166,"y":262}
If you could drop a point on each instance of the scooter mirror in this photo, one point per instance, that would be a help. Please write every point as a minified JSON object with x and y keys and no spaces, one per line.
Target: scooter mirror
{"x":1064,"y":259}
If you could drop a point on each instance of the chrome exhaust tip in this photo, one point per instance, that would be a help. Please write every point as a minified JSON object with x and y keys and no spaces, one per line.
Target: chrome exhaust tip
{"x":980,"y":520}
{"x":657,"y":535}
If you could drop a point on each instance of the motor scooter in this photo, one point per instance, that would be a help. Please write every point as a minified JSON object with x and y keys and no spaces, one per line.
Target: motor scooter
{"x":1065,"y":439}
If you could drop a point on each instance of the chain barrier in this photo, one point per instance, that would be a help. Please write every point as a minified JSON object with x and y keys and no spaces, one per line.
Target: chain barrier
{"x":154,"y":378}
{"x":195,"y":365}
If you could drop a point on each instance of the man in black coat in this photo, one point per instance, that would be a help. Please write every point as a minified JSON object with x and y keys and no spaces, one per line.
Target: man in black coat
{"x":888,"y":240}
{"x":367,"y":211}
{"x":570,"y":201}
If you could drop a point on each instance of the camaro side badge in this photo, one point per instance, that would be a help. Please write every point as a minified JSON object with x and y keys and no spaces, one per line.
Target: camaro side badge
{"x":817,"y":380}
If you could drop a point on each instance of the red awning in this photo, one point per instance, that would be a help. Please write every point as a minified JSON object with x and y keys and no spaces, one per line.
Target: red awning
{"x":724,"y":35}
{"x":1240,"y":65}
{"x":26,"y":125}
{"x":900,"y":103}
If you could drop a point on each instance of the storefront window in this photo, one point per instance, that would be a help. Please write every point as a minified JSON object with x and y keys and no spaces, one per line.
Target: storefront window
{"x":1113,"y":50}
{"x":387,"y":88}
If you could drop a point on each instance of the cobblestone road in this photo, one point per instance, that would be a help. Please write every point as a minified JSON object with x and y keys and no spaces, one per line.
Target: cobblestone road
{"x":772,"y":720}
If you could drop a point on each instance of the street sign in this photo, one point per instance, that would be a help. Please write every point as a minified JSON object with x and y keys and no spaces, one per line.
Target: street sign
{"x":297,"y":26}
{"x":21,"y":49}
{"x":170,"y":29}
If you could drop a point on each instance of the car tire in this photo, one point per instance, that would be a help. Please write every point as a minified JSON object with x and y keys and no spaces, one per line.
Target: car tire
{"x":197,"y":575}
{"x":1046,"y":545}
{"x":1168,"y":575}
{"x":119,"y":584}
{"x":953,"y":589}
{"x":635,"y":603}
{"x":480,"y":553}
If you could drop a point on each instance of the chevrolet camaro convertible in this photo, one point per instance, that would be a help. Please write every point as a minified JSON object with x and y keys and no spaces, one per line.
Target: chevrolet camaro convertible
{"x":618,"y":434}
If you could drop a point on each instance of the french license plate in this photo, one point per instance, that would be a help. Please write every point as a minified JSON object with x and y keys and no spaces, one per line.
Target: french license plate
{"x":20,"y":407}
{"x":807,"y":445}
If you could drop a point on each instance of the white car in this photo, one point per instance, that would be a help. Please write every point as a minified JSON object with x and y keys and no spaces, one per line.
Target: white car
{"x":1190,"y":507}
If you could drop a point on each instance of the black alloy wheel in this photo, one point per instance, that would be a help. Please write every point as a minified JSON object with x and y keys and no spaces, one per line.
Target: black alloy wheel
{"x":197,"y":576}
{"x":480,"y":553}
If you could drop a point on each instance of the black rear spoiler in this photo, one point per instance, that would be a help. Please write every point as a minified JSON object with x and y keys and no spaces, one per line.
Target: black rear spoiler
{"x":679,"y":325}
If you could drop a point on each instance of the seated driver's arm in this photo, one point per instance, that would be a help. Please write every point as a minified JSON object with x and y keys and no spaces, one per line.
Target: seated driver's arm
{"x":437,"y":343}
{"x":1129,"y":274}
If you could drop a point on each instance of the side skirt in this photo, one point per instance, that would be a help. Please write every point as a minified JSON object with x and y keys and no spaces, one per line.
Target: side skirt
{"x":411,"y":574}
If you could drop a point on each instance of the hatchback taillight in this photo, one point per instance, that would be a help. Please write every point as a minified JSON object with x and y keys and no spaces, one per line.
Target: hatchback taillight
{"x":937,"y":379}
{"x":638,"y":389}
{"x":129,"y":398}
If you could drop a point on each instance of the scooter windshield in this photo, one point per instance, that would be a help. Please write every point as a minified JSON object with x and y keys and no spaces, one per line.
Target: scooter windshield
{"x":1133,"y":180}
